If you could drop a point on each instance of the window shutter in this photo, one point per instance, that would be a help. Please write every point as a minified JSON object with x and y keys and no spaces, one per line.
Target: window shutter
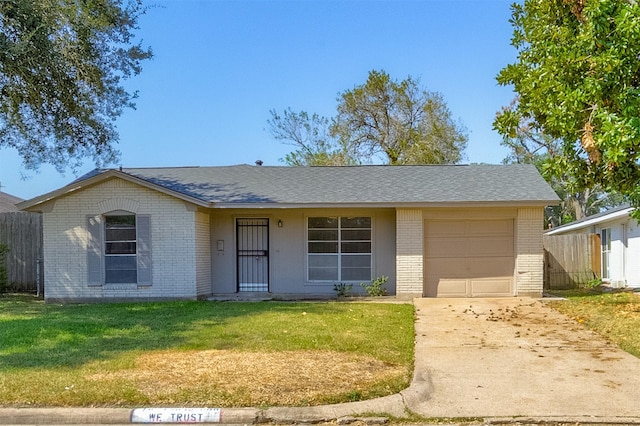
{"x":94,"y":250}
{"x":143,"y":231}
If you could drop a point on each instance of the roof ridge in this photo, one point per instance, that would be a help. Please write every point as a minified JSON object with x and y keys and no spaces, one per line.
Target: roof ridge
{"x":318,"y":166}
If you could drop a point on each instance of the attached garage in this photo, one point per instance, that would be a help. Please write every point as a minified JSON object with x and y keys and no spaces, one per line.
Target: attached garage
{"x":469,"y":257}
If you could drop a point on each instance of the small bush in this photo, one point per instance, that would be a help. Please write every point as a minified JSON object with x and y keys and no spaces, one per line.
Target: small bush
{"x":596,"y":282}
{"x":4,"y":284}
{"x":376,"y":287}
{"x":342,"y":289}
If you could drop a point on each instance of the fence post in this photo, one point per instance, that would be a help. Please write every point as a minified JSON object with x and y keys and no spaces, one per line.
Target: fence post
{"x":38,"y":277}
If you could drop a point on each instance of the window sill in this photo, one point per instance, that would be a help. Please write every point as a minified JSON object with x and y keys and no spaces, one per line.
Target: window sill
{"x":120,"y":286}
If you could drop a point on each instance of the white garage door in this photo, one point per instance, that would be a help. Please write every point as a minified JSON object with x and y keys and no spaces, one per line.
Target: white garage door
{"x":469,"y":258}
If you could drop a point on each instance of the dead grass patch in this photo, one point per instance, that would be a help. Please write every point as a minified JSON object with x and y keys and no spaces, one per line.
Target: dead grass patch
{"x":224,"y":377}
{"x":614,"y":315}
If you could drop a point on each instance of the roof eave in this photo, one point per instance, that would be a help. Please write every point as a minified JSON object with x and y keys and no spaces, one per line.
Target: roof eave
{"x":435,"y":204}
{"x":590,"y":222}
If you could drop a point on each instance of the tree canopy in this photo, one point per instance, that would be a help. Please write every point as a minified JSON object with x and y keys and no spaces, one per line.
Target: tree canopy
{"x":62,"y":64}
{"x":310,"y":135}
{"x":577,"y":77}
{"x":397,"y":122}
{"x":528,"y":145}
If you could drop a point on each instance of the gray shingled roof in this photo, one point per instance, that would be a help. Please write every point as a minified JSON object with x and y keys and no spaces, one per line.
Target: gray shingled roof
{"x":244,"y":184}
{"x":8,"y":202}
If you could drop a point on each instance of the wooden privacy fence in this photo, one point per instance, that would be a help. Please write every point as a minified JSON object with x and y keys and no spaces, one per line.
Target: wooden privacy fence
{"x":22,"y":233}
{"x":571,"y":261}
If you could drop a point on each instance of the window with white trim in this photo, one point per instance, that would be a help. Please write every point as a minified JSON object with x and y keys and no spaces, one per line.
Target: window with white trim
{"x":339,"y":248}
{"x":120,"y":255}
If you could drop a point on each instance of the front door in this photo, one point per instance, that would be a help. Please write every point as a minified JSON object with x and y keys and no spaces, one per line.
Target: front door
{"x":253,"y":254}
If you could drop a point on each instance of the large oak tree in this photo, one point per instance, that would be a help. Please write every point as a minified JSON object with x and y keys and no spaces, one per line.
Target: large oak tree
{"x":577,"y":77}
{"x":395,"y":122}
{"x":62,"y":64}
{"x":528,"y":145}
{"x":400,"y":120}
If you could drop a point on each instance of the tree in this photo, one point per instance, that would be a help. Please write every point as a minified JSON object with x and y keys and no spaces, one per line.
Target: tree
{"x":577,"y":77}
{"x":399,"y":121}
{"x":310,"y":135}
{"x":529,"y":145}
{"x":61,"y":68}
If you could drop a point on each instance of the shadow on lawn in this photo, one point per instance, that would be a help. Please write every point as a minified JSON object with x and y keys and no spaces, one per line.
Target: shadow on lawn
{"x":34,"y":335}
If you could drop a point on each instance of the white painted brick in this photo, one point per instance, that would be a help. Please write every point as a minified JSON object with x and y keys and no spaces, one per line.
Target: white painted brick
{"x":173,"y":241}
{"x":529,"y":257}
{"x":409,"y":251}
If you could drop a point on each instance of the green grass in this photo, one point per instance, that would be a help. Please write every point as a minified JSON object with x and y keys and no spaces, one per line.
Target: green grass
{"x":614,"y":315}
{"x":46,"y":351}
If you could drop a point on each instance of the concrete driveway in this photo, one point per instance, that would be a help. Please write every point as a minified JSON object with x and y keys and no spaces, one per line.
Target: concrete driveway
{"x":516,"y":357}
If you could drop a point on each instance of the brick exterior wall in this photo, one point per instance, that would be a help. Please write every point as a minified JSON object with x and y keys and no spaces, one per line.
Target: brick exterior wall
{"x":409,"y":253}
{"x":529,"y":254}
{"x":203,"y":255}
{"x":66,"y":238}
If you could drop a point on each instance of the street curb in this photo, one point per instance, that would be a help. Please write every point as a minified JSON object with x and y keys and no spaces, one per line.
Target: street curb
{"x":91,"y":416}
{"x":58,"y":415}
{"x":582,"y":421}
{"x":392,"y":405}
{"x":343,"y":414}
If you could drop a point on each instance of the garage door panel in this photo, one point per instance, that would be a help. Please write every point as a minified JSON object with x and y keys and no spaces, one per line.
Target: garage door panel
{"x":446,"y":247}
{"x":482,"y":267}
{"x":446,"y":228}
{"x":491,"y":287}
{"x":464,"y":247}
{"x":449,"y":288}
{"x":477,"y":267}
{"x":469,"y":227}
{"x":489,"y":246}
{"x":502,"y":227}
{"x":446,"y":268}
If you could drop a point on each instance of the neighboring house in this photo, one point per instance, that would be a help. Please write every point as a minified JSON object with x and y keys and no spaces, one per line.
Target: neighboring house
{"x":197,"y":232}
{"x":619,"y":236}
{"x":8,"y":203}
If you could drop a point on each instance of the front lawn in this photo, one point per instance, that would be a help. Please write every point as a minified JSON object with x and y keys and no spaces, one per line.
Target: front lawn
{"x":218,"y":354}
{"x":615,"y":315}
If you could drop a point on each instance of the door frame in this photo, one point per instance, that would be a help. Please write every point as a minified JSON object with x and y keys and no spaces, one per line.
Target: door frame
{"x":260,"y":232}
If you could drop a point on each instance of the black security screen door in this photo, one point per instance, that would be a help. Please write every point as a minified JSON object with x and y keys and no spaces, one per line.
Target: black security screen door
{"x":253,"y":254}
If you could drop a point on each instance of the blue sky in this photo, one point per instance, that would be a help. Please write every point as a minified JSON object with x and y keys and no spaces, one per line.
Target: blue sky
{"x":219,"y":67}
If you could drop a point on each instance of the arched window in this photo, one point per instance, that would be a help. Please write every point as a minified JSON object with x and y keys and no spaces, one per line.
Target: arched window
{"x":120,"y":249}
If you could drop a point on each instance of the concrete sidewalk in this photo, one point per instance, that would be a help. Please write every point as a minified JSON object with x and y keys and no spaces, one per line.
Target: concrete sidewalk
{"x":508,"y":361}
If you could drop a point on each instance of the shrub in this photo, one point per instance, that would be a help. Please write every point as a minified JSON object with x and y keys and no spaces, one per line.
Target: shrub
{"x":342,"y":289}
{"x":376,"y":288}
{"x":593,"y":283}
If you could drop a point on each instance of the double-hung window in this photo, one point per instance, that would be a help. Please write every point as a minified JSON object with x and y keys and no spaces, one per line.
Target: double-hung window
{"x":119,"y":249}
{"x":120,"y":255}
{"x":339,"y":248}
